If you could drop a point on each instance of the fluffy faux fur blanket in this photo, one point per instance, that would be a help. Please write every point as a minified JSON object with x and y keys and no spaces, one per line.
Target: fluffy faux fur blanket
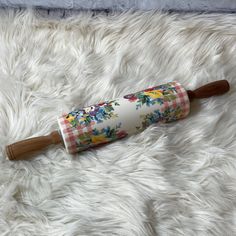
{"x":171,"y":179}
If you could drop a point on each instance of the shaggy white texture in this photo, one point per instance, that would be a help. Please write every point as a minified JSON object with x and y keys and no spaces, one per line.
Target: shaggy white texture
{"x":172,"y":179}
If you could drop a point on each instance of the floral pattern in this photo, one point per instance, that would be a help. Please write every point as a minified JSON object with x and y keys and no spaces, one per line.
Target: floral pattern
{"x":170,"y":114}
{"x":152,"y":96}
{"x":92,"y":114}
{"x":102,"y":136}
{"x":149,"y":119}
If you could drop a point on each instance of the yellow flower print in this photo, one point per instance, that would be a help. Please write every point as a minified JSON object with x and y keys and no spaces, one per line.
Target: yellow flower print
{"x":70,"y":118}
{"x":98,"y":138}
{"x":154,"y":94}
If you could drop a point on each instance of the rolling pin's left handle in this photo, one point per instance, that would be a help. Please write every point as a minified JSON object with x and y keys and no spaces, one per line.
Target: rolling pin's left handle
{"x":27,"y":148}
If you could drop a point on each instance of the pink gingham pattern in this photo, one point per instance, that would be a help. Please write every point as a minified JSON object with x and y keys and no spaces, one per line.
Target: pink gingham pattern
{"x":181,"y":100}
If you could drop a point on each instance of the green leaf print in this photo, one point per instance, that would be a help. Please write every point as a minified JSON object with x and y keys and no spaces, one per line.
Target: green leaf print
{"x":169,"y":97}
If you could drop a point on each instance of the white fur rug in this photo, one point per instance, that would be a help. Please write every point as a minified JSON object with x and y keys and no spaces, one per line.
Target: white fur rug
{"x":172,"y":179}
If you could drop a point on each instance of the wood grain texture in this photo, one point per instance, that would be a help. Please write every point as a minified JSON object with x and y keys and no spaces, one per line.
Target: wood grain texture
{"x":25,"y":149}
{"x":212,"y":89}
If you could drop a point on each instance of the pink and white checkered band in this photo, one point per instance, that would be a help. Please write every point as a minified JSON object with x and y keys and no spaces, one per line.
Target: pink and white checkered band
{"x":181,"y":100}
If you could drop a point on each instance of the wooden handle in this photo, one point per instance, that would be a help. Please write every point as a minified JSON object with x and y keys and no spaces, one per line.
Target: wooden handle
{"x":27,"y":148}
{"x":212,"y":89}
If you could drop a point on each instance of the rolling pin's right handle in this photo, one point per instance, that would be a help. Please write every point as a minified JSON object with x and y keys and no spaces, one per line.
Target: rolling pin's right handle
{"x":212,"y":89}
{"x":27,"y":148}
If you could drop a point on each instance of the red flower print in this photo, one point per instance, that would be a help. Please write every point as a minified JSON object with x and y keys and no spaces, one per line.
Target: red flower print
{"x":101,"y":103}
{"x":121,"y":134}
{"x":131,"y":97}
{"x":149,"y":89}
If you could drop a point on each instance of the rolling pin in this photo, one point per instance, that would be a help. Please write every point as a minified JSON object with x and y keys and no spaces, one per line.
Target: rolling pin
{"x":110,"y":120}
